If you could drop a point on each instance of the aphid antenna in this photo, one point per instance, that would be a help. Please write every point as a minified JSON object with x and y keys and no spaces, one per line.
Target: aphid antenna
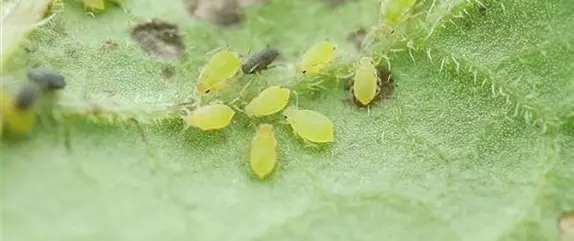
{"x":213,"y":51}
{"x":237,"y":108}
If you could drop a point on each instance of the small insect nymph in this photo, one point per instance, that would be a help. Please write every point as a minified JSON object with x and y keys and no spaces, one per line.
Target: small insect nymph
{"x":268,"y":102}
{"x":317,"y":58}
{"x":221,"y":67}
{"x":95,"y":4}
{"x":260,"y":61}
{"x":263,"y":151}
{"x":393,"y":12}
{"x":310,"y":125}
{"x":210,"y":117}
{"x":365,"y":85}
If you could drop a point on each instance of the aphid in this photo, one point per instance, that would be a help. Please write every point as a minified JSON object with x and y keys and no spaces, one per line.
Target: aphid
{"x":17,"y":110}
{"x":317,"y":58}
{"x":95,"y":4}
{"x":263,"y":151}
{"x":47,"y":79}
{"x":268,"y":102}
{"x":310,"y":125}
{"x":260,"y":60}
{"x":393,"y":12}
{"x":365,"y":86}
{"x":221,"y":67}
{"x":210,"y":117}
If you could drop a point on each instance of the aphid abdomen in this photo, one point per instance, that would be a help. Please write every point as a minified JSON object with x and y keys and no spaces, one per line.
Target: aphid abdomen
{"x":263,"y":151}
{"x":268,"y":102}
{"x":220,"y":68}
{"x":317,"y":58}
{"x":260,"y":61}
{"x":211,"y":117}
{"x":47,"y":79}
{"x":310,"y":125}
{"x":26,"y":96}
{"x":365,"y":81}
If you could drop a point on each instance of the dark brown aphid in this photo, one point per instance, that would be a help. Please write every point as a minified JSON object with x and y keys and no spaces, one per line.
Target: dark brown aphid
{"x":260,"y":60}
{"x":386,"y":87}
{"x":26,"y":96}
{"x":46,"y":79}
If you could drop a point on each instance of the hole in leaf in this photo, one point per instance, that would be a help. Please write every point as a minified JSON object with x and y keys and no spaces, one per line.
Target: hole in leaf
{"x":159,"y":38}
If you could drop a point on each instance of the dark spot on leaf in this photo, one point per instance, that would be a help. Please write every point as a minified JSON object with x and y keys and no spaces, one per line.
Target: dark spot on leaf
{"x":168,"y":71}
{"x":566,"y":226}
{"x":356,"y":37}
{"x":220,"y":12}
{"x":336,"y":3}
{"x":159,"y":38}
{"x":386,"y":86}
{"x":108,"y":45}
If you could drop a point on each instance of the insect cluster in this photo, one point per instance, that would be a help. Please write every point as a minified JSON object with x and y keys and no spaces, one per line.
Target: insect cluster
{"x":20,"y":105}
{"x":312,"y":126}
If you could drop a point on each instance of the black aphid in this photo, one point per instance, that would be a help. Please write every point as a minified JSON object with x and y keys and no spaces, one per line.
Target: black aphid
{"x":260,"y":61}
{"x":26,"y":96}
{"x":47,"y":79}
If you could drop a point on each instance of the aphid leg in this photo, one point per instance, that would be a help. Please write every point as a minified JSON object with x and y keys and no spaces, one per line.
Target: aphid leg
{"x":296,"y":98}
{"x":242,"y":91}
{"x":213,"y":51}
{"x":309,"y":144}
{"x":67,"y":138}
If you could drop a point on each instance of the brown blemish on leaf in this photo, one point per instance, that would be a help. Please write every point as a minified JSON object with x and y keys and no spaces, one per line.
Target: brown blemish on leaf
{"x":386,"y":86}
{"x":220,"y":12}
{"x":566,"y":226}
{"x":168,"y":71}
{"x":108,"y":45}
{"x":159,"y":38}
{"x":356,"y":37}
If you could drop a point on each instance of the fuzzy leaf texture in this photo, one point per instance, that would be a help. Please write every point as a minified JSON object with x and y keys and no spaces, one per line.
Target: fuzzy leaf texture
{"x":476,"y":143}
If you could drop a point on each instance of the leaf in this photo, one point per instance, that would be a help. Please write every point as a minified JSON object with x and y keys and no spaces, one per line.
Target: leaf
{"x":475,"y":144}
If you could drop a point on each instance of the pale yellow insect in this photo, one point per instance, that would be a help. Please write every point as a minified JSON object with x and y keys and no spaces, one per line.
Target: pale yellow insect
{"x":210,"y":117}
{"x":263,"y":151}
{"x":317,"y":58}
{"x":393,"y":12}
{"x":95,"y":4}
{"x":310,"y":125}
{"x":365,"y":85}
{"x":268,"y":102}
{"x":222,"y":66}
{"x":17,"y":110}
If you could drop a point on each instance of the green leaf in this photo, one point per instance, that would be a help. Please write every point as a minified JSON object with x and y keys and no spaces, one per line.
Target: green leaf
{"x":475,"y":144}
